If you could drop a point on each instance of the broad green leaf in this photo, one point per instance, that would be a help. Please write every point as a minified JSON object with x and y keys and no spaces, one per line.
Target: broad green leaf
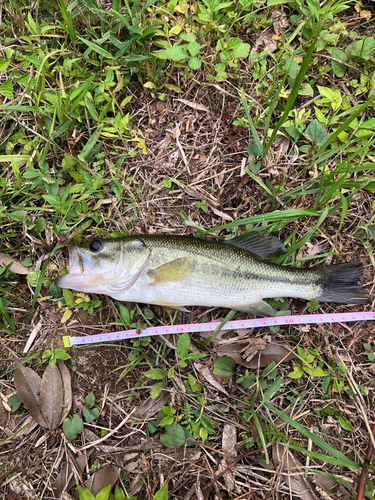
{"x":297,"y":373}
{"x":19,"y":215}
{"x":162,"y":494}
{"x":69,"y":297}
{"x":67,"y":314}
{"x":90,"y":400}
{"x":61,"y":354}
{"x":194,"y":63}
{"x":316,"y":133}
{"x":174,"y":436}
{"x":183,"y":344}
{"x":119,"y":494}
{"x":4,"y":65}
{"x":345,"y":424}
{"x":361,"y":48}
{"x":193,"y":48}
{"x":155,"y":373}
{"x":338,"y":68}
{"x":314,"y":372}
{"x":6,"y":89}
{"x":176,"y":53}
{"x":272,"y":390}
{"x":253,"y":148}
{"x":368,"y":124}
{"x":242,"y":50}
{"x":72,"y":426}
{"x":104,"y":493}
{"x":206,"y":422}
{"x":85,"y":494}
{"x":224,"y":368}
{"x":193,"y":382}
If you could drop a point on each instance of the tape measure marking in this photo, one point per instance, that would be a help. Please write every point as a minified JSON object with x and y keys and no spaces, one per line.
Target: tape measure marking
{"x":230,"y":325}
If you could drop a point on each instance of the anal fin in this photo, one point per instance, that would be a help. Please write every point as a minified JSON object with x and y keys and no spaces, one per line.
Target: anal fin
{"x":260,"y":308}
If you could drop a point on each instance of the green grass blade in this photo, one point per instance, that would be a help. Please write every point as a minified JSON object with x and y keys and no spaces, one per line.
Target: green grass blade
{"x":278,"y":215}
{"x":251,"y":123}
{"x":315,"y":439}
{"x":293,"y":95}
{"x":66,"y":15}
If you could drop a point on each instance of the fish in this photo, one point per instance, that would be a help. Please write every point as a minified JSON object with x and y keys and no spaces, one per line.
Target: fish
{"x":180,"y":271}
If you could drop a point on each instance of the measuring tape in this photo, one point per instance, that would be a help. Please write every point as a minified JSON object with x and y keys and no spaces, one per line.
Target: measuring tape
{"x":305,"y":319}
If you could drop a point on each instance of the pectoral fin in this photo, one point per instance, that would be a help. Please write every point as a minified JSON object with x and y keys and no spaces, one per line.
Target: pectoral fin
{"x":176,"y":270}
{"x":260,"y":308}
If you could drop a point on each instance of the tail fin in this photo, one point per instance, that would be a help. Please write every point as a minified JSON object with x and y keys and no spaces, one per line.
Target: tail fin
{"x":340,"y":284}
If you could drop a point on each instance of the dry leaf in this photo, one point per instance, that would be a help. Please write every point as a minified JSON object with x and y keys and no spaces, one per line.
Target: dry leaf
{"x":59,"y":485}
{"x":207,"y":375}
{"x":16,"y":267}
{"x":292,"y":472}
{"x":55,"y":382}
{"x":279,"y":20}
{"x":273,"y":352}
{"x":366,"y":14}
{"x":194,"y":105}
{"x":152,"y":406}
{"x":28,"y":386}
{"x":264,"y":42}
{"x":254,"y":347}
{"x":102,"y":478}
{"x":67,"y":388}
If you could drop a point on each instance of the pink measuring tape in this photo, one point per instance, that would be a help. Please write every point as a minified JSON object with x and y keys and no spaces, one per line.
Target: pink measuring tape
{"x":230,"y":325}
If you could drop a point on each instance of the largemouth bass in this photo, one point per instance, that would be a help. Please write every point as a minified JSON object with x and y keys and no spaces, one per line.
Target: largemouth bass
{"x":179,"y":271}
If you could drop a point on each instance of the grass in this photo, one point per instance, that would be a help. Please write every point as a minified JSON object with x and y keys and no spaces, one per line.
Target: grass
{"x":89,"y":145}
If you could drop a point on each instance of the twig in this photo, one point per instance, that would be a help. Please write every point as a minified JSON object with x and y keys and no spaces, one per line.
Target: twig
{"x":366,"y":464}
{"x":94,"y":443}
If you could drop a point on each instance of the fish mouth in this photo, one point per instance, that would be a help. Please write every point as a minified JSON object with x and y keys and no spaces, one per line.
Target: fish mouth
{"x":78,"y":273}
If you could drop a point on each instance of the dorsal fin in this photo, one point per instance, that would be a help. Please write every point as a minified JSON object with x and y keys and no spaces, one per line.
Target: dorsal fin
{"x":264,"y":245}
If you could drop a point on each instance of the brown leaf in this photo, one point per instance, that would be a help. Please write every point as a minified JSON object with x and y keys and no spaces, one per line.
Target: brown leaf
{"x":273,"y":352}
{"x":58,"y":485}
{"x":255,"y":346}
{"x":52,"y":396}
{"x":102,"y":478}
{"x":16,"y":267}
{"x":209,"y":377}
{"x":28,"y":385}
{"x":264,"y":42}
{"x":194,"y":105}
{"x":67,"y":388}
{"x":292,"y":472}
{"x":280,"y":20}
{"x":152,"y":406}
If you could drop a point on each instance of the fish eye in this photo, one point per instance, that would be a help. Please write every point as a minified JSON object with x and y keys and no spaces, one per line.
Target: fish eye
{"x":95,"y":246}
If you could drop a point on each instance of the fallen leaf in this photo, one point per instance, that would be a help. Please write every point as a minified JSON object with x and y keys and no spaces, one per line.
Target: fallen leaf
{"x":366,"y":14}
{"x":279,"y":20}
{"x":194,"y":105}
{"x":16,"y":267}
{"x":59,"y":484}
{"x":254,"y":347}
{"x":52,"y":395}
{"x":102,"y":478}
{"x":209,"y":377}
{"x":273,"y":352}
{"x":152,"y":406}
{"x":264,"y":42}
{"x":292,"y":472}
{"x":67,"y":388}
{"x":28,"y":386}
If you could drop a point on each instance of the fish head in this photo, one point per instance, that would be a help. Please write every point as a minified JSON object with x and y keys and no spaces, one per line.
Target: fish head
{"x":105,"y":266}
